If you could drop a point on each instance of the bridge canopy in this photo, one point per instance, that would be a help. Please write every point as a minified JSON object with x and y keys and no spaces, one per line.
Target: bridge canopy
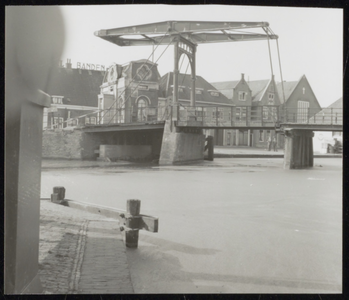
{"x":198,"y":32}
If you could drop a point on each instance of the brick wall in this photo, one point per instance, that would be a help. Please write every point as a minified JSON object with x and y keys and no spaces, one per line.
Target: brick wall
{"x":62,"y":144}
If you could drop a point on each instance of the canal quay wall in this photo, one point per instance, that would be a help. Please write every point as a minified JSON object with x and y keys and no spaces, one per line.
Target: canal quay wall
{"x":69,"y":144}
{"x":74,"y":143}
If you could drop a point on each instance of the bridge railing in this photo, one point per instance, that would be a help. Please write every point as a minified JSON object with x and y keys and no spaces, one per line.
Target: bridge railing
{"x":228,"y":116}
{"x":225,"y":116}
{"x":324,"y":116}
{"x":257,"y":116}
{"x":134,"y":115}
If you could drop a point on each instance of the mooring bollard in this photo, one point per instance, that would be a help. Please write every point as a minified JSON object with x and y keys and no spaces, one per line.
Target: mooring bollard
{"x":58,"y":194}
{"x":133,"y":208}
{"x":134,"y":221}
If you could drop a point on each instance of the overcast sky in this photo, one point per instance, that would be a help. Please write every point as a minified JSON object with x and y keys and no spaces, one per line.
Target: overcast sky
{"x":310,"y":42}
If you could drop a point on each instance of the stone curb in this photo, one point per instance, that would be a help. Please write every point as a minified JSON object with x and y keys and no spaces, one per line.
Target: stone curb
{"x":64,"y":240}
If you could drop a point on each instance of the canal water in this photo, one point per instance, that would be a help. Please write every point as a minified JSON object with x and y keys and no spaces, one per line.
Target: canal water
{"x":234,"y":225}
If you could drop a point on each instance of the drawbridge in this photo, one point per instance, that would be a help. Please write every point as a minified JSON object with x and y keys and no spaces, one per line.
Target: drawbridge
{"x":182,"y":125}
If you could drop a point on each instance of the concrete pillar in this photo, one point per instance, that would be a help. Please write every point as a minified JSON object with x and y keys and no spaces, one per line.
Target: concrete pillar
{"x":298,"y":149}
{"x":181,"y":147}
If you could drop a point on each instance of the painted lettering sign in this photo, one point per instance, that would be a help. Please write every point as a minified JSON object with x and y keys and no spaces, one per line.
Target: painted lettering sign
{"x":87,"y":66}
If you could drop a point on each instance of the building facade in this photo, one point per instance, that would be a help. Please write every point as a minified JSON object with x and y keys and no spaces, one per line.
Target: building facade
{"x":266,"y":99}
{"x":74,"y":97}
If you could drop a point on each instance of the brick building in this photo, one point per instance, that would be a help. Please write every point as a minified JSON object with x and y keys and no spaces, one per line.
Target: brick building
{"x":74,"y":93}
{"x":297,"y":99}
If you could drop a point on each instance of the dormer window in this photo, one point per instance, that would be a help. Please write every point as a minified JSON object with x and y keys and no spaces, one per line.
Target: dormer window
{"x":199,"y":91}
{"x":57,"y":99}
{"x":214,"y":93}
{"x":242,"y":96}
{"x":271,"y":99}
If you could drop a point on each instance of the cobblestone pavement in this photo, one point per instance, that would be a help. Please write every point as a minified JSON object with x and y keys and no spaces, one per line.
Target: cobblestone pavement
{"x":80,"y":252}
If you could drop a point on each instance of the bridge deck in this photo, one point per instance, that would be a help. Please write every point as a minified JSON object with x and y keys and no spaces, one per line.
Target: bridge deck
{"x":124,"y":127}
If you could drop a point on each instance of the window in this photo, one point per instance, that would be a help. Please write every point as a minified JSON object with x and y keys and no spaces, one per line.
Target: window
{"x":242,"y":96}
{"x":265,"y":113}
{"x":271,"y":99}
{"x":141,"y":107}
{"x":240,"y":113}
{"x":217,"y":114}
{"x":57,"y":122}
{"x":302,"y":111}
{"x":338,"y":133}
{"x":57,"y":99}
{"x":93,"y":120}
{"x":261,"y":135}
{"x":214,"y":94}
{"x":72,"y":122}
{"x":198,"y":91}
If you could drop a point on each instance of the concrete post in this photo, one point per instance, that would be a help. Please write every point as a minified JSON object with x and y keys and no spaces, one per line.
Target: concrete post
{"x":298,"y":149}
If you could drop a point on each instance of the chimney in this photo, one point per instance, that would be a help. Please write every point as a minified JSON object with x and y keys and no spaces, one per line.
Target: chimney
{"x":243,"y":76}
{"x":68,"y":64}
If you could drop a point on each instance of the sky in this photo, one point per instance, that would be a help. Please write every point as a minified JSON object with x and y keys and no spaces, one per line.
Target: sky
{"x":310,"y":42}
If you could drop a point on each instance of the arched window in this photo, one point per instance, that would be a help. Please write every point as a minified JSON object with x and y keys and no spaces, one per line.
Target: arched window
{"x":142,"y":104}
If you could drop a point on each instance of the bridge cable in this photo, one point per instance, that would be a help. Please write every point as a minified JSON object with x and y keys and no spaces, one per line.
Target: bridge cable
{"x":132,"y":80}
{"x":118,"y":109}
{"x":271,"y":62}
{"x":108,"y":109}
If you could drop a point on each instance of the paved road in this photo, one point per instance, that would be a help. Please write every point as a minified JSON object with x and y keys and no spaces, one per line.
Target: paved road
{"x":228,"y":226}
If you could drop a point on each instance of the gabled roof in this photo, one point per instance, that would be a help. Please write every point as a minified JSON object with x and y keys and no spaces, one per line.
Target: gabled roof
{"x":289,"y":87}
{"x":77,"y":86}
{"x":226,"y":87}
{"x":184,"y":80}
{"x":258,"y":88}
{"x":337,"y":104}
